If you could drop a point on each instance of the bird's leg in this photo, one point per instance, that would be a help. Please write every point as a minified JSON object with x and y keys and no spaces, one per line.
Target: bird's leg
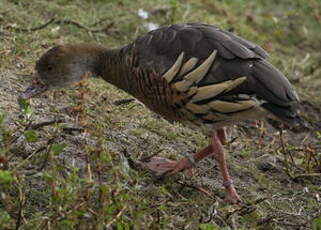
{"x":162,"y":166}
{"x":218,"y":150}
{"x":222,"y":135}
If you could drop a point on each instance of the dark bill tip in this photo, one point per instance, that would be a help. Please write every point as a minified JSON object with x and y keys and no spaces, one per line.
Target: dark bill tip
{"x":36,"y":88}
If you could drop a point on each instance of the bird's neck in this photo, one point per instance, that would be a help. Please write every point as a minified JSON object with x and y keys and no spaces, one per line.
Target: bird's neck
{"x":111,"y":65}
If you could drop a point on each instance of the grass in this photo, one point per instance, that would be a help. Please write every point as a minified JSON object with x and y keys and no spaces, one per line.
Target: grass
{"x":74,"y":174}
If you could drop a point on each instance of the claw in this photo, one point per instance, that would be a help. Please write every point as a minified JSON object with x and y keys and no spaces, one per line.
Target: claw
{"x":231,"y":196}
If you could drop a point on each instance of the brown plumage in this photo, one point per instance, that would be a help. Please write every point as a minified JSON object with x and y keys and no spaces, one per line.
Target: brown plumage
{"x":196,"y":74}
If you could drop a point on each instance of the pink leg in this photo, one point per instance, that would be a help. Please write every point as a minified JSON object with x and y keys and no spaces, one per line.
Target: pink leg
{"x":231,"y":195}
{"x":222,"y":135}
{"x":162,"y":166}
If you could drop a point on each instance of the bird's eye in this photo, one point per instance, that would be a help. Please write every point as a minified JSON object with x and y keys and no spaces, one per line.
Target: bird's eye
{"x":49,"y":68}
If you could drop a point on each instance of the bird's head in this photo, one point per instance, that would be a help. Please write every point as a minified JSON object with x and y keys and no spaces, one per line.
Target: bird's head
{"x":61,"y":66}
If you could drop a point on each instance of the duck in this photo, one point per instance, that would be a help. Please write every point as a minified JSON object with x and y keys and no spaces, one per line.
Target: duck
{"x":199,"y":75}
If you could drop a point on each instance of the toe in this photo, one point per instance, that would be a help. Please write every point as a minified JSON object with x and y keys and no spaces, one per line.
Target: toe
{"x":165,"y":167}
{"x":181,"y":165}
{"x":159,"y":166}
{"x":233,"y":200}
{"x":232,"y":197}
{"x":189,"y":172}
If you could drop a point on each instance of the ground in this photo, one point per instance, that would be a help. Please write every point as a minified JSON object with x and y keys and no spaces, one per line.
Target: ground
{"x":69,"y":158}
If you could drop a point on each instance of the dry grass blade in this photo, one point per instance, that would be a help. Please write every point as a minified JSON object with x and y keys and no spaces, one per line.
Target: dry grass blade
{"x":108,"y":225}
{"x":306,"y":175}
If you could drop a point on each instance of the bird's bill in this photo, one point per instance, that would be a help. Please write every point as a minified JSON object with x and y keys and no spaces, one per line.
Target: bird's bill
{"x":37,"y":87}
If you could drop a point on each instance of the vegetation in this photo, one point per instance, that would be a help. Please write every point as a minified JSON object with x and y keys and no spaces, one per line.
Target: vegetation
{"x":68,"y":158}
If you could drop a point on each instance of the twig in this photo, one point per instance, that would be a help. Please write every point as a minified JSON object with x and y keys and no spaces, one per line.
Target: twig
{"x":123,"y":101}
{"x":69,"y":130}
{"x":49,"y":142}
{"x":35,"y":28}
{"x":271,"y":144}
{"x":147,"y":158}
{"x":29,"y":157}
{"x":45,"y":123}
{"x":77,"y":24}
{"x":284,"y":147}
{"x":65,"y":22}
{"x":285,"y":153}
{"x":262,"y":135}
{"x":44,"y":163}
{"x":200,"y":189}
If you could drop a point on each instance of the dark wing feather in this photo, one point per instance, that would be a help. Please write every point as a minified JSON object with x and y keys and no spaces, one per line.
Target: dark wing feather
{"x":236,"y":57}
{"x":248,"y":44}
{"x":235,"y":44}
{"x":189,"y":42}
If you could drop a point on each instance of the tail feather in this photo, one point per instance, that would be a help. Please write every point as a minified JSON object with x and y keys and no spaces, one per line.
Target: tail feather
{"x":280,"y":96}
{"x":289,"y":116}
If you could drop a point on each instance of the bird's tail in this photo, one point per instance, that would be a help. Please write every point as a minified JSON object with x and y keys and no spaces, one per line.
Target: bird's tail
{"x":288,"y":118}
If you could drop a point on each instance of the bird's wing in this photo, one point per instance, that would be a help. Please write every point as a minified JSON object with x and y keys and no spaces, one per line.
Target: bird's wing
{"x":224,"y":68}
{"x":196,"y":40}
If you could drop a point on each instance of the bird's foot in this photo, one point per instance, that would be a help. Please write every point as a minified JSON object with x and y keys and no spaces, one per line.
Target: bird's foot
{"x":231,"y":195}
{"x":164,"y":167}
